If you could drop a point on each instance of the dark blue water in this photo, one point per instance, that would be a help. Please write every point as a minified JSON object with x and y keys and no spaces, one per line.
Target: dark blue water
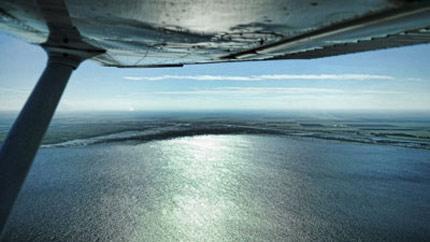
{"x":226,"y":188}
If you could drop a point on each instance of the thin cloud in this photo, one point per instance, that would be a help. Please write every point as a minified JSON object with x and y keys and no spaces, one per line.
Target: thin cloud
{"x":273,"y":77}
{"x":13,"y":90}
{"x":231,"y":91}
{"x":414,"y":79}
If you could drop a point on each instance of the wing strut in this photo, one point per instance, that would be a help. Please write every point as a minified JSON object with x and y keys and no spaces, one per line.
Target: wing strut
{"x":23,"y":140}
{"x":66,"y":50}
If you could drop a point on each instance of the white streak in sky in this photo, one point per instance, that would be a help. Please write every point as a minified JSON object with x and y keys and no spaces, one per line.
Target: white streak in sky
{"x":13,"y":90}
{"x":275,"y":91}
{"x":273,"y":77}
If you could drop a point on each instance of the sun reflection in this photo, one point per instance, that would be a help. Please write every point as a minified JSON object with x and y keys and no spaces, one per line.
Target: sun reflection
{"x":206,"y":142}
{"x":200,"y":203}
{"x":203,"y":155}
{"x":196,"y":201}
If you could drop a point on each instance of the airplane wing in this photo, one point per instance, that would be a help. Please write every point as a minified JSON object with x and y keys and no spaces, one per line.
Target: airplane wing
{"x":150,"y":33}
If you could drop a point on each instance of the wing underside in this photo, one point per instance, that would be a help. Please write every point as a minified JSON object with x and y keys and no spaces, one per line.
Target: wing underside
{"x":173,"y":33}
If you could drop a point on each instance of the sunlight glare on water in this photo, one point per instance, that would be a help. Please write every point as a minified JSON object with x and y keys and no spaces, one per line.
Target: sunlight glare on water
{"x":199,"y":207}
{"x":225,"y":188}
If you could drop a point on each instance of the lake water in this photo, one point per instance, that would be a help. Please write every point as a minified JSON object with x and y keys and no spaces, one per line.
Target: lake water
{"x":226,"y":188}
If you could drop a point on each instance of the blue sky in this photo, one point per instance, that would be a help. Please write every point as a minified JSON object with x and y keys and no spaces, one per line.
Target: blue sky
{"x":395,"y":79}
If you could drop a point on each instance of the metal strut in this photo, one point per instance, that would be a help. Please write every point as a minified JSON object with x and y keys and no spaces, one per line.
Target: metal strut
{"x":66,"y":50}
{"x":24,"y":138}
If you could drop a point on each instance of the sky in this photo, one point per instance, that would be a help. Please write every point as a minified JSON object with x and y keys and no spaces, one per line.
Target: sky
{"x":394,"y":79}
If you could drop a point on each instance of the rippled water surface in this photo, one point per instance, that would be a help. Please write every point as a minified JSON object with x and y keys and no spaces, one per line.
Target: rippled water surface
{"x":226,"y":188}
